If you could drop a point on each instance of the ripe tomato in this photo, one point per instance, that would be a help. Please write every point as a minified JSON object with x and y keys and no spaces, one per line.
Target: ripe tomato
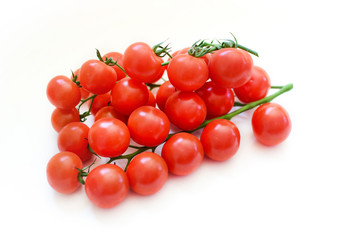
{"x":129,"y":94}
{"x":218,"y":100}
{"x":151,"y":100}
{"x":61,"y":172}
{"x":147,"y":173}
{"x":186,"y":110}
{"x":99,"y":102}
{"x":106,"y":185}
{"x":220,"y":139}
{"x":109,"y":112}
{"x":63,"y":93}
{"x":256,"y":88}
{"x":271,"y":124}
{"x":74,"y":138}
{"x":187,"y":73}
{"x":148,"y":126}
{"x":142,"y":64}
{"x":83,"y":92}
{"x":109,"y":137}
{"x":163,"y":93}
{"x":97,"y":77}
{"x":117,"y":57}
{"x":183,"y":153}
{"x":61,"y":117}
{"x":230,"y":67}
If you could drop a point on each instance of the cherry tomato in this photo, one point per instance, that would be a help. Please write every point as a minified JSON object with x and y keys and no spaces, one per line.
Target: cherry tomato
{"x":218,"y":100}
{"x":61,"y":172}
{"x":163,"y":93}
{"x":142,"y":64}
{"x":118,"y":58}
{"x":271,"y":124}
{"x":256,"y":88}
{"x":183,"y":153}
{"x":186,"y":110}
{"x":109,"y":137}
{"x":220,"y":139}
{"x":148,"y":126}
{"x":187,"y":73}
{"x":147,"y":173}
{"x":106,"y":185}
{"x":83,"y":92}
{"x":151,"y":100}
{"x":74,"y":138}
{"x":63,"y":93}
{"x":129,"y":94}
{"x":97,"y":77}
{"x":62,"y":117}
{"x":99,"y":102}
{"x":230,"y":67}
{"x":109,"y":112}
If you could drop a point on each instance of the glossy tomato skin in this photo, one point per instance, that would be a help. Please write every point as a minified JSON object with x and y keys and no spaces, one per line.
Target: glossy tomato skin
{"x":74,"y":138}
{"x":256,"y":88}
{"x":129,"y":94}
{"x":142,"y":64}
{"x":106,"y":185}
{"x":186,"y":110}
{"x":147,"y":173}
{"x":109,"y":112}
{"x":148,"y":126}
{"x":99,"y":102}
{"x":63,"y":93}
{"x":109,"y":137}
{"x":220,"y":139}
{"x":230,"y":67}
{"x":62,"y":117}
{"x":271,"y":124}
{"x":97,"y":77}
{"x":187,"y":73}
{"x":183,"y":153}
{"x":118,"y":58}
{"x":163,"y":93}
{"x":218,"y":100}
{"x":61,"y":172}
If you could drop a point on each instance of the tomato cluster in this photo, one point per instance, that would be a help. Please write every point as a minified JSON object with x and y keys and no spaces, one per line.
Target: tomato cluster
{"x":203,"y":84}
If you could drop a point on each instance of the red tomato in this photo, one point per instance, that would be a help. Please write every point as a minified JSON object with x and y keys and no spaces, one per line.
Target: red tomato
{"x":256,"y":88}
{"x":183,"y":153}
{"x":271,"y":124}
{"x":220,"y":139}
{"x":151,"y":100}
{"x":147,"y":173}
{"x":83,"y":92}
{"x":230,"y":67}
{"x":148,"y":126}
{"x":99,"y":102}
{"x":63,"y":93}
{"x":106,"y":185}
{"x":163,"y":93}
{"x":187,"y":73}
{"x":142,"y":64}
{"x":109,"y":137}
{"x":129,"y":94}
{"x":61,"y":117}
{"x":117,"y":57}
{"x":74,"y":138}
{"x":186,"y":110}
{"x":218,"y":100}
{"x":97,"y":77}
{"x":109,"y":112}
{"x":61,"y":172}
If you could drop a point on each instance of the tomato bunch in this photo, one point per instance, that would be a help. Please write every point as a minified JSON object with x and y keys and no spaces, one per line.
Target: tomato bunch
{"x":139,"y":102}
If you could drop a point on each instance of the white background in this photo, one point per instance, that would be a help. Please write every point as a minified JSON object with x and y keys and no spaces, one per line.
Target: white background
{"x":305,"y":188}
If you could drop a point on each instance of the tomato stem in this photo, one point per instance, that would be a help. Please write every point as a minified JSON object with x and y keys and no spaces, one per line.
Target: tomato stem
{"x":165,"y":63}
{"x":88,"y":112}
{"x":109,"y":61}
{"x":152,"y":85}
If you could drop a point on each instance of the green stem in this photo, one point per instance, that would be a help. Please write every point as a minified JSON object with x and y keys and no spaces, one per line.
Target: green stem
{"x":165,"y":63}
{"x":276,"y":87}
{"x":152,"y":85}
{"x":87,"y":113}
